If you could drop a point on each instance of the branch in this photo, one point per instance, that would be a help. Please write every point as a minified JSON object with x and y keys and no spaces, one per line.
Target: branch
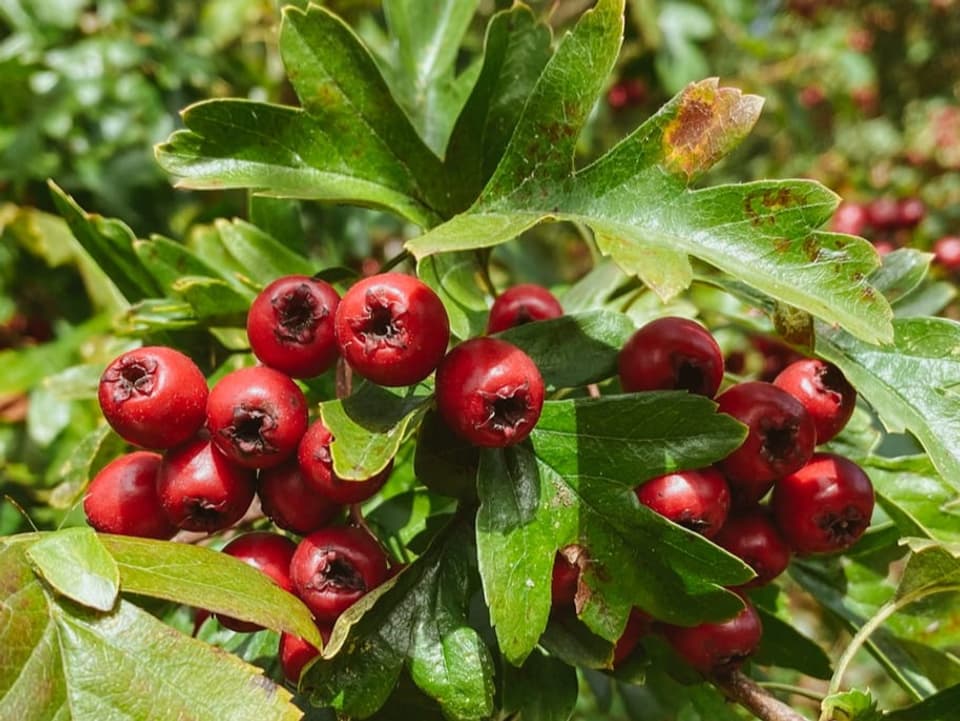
{"x":746,"y":692}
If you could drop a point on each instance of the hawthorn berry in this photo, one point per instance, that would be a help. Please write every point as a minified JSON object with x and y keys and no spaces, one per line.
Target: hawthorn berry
{"x":316,"y":465}
{"x":489,"y":392}
{"x":824,"y":392}
{"x":563,"y":581}
{"x":696,"y":499}
{"x":269,"y":553}
{"x":752,"y":536}
{"x":334,"y":567}
{"x":910,"y":212}
{"x":946,"y":252}
{"x":295,"y":653}
{"x":154,"y":397}
{"x":850,"y":218}
{"x":257,"y":416}
{"x":781,"y":436}
{"x":638,"y":625}
{"x":291,"y":502}
{"x":392,"y":329}
{"x":717,"y":648}
{"x":825,"y":506}
{"x":671,"y":354}
{"x":122,"y":498}
{"x":200,"y":489}
{"x":521,"y":304}
{"x":290,"y":326}
{"x":883,"y":213}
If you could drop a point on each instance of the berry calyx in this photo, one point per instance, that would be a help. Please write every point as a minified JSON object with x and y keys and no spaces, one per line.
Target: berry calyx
{"x":824,"y":392}
{"x":334,"y":567}
{"x":671,"y":354}
{"x":825,"y":506}
{"x":752,"y":536}
{"x":489,"y":392}
{"x":392,"y":329}
{"x":523,"y":303}
{"x":696,"y":499}
{"x":122,"y":498}
{"x":154,"y":397}
{"x":316,"y":464}
{"x":718,"y":648}
{"x":291,"y":502}
{"x":202,"y":490}
{"x":269,"y":553}
{"x":780,"y":439}
{"x":256,"y":416}
{"x":290,"y":326}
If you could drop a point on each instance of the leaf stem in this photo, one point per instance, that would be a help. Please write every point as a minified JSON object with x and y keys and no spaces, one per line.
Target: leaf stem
{"x":792,"y":690}
{"x":344,"y":382}
{"x":753,"y":697}
{"x":396,"y":260}
{"x":483,"y":260}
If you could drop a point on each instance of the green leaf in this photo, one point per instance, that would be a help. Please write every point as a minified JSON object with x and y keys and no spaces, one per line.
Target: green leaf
{"x":419,"y":622}
{"x":263,"y":257}
{"x":516,"y":49}
{"x":901,"y":272}
{"x":444,"y":462}
{"x":592,"y":290}
{"x":421,"y":68}
{"x":576,"y":487}
{"x":942,"y":706}
{"x":543,"y":689}
{"x":168,"y":261}
{"x":110,"y":244}
{"x":59,"y":660}
{"x":851,"y":706}
{"x":637,"y":197}
{"x":932,"y":568}
{"x":454,"y":277}
{"x":912,"y":384}
{"x":76,"y":565}
{"x":208,"y":579}
{"x":90,"y":455}
{"x":782,"y":645}
{"x":574,"y":350}
{"x":280,"y":219}
{"x":368,"y":428}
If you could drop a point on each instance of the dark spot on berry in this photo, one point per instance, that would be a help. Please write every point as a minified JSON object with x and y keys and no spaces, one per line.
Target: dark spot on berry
{"x":507,"y":409}
{"x":336,"y":573}
{"x":132,"y":376}
{"x":250,"y":429}
{"x":203,"y":515}
{"x":843,"y":528}
{"x":779,"y":441}
{"x":297,"y":315}
{"x":690,"y":376}
{"x":382,"y":324}
{"x":523,"y":316}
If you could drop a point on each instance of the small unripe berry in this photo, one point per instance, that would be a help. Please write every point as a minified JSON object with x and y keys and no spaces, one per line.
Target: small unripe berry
{"x":122,"y":498}
{"x":521,"y":304}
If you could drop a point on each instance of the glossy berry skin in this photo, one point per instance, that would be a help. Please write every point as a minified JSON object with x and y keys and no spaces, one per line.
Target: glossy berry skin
{"x":638,"y":625}
{"x":947,"y":252}
{"x":316,"y":465}
{"x":334,"y":567}
{"x":563,"y":582}
{"x":392,"y":329}
{"x":696,"y":499}
{"x":154,"y":397}
{"x":257,"y":416}
{"x":295,"y":653}
{"x":717,"y":648}
{"x":825,"y":506}
{"x":671,"y":354}
{"x":202,"y":490}
{"x":122,"y":498}
{"x":521,"y":304}
{"x":489,"y":392}
{"x":826,"y":395}
{"x":290,"y":326}
{"x":752,"y":536}
{"x":291,"y":502}
{"x":780,"y":439}
{"x":269,"y":553}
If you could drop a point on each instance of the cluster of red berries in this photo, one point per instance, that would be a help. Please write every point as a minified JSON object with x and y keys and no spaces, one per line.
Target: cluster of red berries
{"x":821,"y":502}
{"x":885,"y":221}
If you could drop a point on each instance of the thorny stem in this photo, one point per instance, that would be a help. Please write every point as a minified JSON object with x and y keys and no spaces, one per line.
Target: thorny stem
{"x":749,"y":694}
{"x":344,"y":379}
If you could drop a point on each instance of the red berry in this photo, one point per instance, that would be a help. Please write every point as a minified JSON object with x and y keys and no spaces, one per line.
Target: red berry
{"x":153,"y":397}
{"x":269,"y":553}
{"x":392,"y":329}
{"x":850,"y":218}
{"x":718,"y":647}
{"x":698,"y":500}
{"x":291,"y":502}
{"x":290,"y":326}
{"x":671,"y":354}
{"x":295,"y":653}
{"x":780,"y":439}
{"x":827,"y":396}
{"x":752,"y":536}
{"x":316,"y":464}
{"x":825,"y":506}
{"x":884,"y":213}
{"x":200,"y":489}
{"x":884,"y":247}
{"x":122,"y":498}
{"x":564,"y":581}
{"x":334,"y":567}
{"x":521,"y":304}
{"x":638,"y":625}
{"x":489,"y":392}
{"x":947,"y":252}
{"x":911,"y":211}
{"x":257,"y":416}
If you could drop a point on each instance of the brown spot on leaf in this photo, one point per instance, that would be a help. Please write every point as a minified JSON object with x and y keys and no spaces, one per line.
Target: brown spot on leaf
{"x":782,"y":245}
{"x":811,"y":248}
